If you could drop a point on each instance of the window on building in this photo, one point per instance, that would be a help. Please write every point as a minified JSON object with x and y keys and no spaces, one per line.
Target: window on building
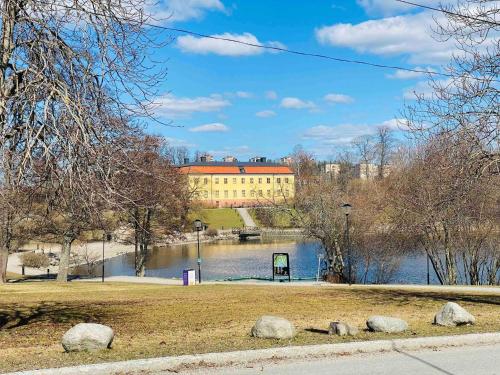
{"x":216,"y":180}
{"x":269,"y":193}
{"x":225,"y":181}
{"x":196,"y":180}
{"x":252,"y":193}
{"x":251,"y":180}
{"x":260,"y":180}
{"x":226,"y":194}
{"x":205,"y":180}
{"x":287,"y":193}
{"x":268,"y":180}
{"x":243,"y":180}
{"x":243,"y":193}
{"x":286,"y":180}
{"x":205,"y":194}
{"x":260,"y":193}
{"x":278,"y":180}
{"x":235,"y":193}
{"x":234,"y":180}
{"x":216,"y":193}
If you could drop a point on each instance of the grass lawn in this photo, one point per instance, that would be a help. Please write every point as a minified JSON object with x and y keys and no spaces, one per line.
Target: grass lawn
{"x":156,"y":320}
{"x":274,"y":218}
{"x":221,"y":218}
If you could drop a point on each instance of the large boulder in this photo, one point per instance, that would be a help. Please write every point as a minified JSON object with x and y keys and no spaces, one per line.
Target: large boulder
{"x":87,"y":337}
{"x":273,"y":327}
{"x":452,"y":314}
{"x":342,"y":329}
{"x":378,"y":323}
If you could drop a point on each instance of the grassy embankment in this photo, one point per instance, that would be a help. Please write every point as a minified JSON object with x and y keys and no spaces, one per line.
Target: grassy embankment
{"x":266,"y":217}
{"x":154,"y":320}
{"x":218,"y":218}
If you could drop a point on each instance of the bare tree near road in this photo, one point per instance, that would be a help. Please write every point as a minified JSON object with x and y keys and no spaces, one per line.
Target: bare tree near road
{"x":72,"y":76}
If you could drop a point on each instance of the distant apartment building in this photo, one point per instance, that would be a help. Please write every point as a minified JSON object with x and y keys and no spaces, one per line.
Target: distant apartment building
{"x":287,"y":160}
{"x":258,"y":159}
{"x":229,"y":159}
{"x":220,"y":184}
{"x":366,"y":171}
{"x":363,"y":171}
{"x":331,"y":168}
{"x":205,"y":158}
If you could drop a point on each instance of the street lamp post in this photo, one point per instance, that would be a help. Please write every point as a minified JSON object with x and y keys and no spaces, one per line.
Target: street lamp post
{"x":103,"y":239}
{"x":105,"y":236}
{"x":198,"y":226}
{"x":346,"y":208}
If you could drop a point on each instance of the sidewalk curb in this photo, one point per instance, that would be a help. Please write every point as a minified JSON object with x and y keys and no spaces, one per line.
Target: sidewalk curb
{"x":145,"y":366}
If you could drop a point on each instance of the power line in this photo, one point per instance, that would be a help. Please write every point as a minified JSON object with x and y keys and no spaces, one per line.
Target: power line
{"x":449,"y":12}
{"x":279,"y":49}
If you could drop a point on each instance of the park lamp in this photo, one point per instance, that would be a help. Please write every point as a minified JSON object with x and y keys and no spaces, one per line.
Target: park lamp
{"x":198,"y":225}
{"x":346,"y":208}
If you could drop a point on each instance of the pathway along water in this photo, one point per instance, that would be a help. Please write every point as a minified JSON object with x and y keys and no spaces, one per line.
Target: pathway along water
{"x":225,"y":260}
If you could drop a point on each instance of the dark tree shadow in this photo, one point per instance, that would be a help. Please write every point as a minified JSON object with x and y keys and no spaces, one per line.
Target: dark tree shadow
{"x":316,"y":330}
{"x":17,"y":315}
{"x":408,"y":296}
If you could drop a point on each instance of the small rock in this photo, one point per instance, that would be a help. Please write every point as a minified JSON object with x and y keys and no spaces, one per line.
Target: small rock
{"x":378,"y":323}
{"x":87,"y":336}
{"x":273,"y":327}
{"x":452,"y":314}
{"x":342,"y":329}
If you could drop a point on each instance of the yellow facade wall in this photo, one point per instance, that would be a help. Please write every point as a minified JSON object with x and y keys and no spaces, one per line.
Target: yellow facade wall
{"x":223,"y":190}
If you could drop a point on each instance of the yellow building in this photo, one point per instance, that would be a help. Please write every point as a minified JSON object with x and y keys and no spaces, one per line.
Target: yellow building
{"x":240,"y":184}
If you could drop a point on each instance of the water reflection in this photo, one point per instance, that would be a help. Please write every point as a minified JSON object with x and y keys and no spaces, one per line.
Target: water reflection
{"x":233,"y":259}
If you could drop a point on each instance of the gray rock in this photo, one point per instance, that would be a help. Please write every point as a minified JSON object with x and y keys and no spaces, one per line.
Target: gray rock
{"x":273,"y":327}
{"x":452,"y":314}
{"x":378,"y":323}
{"x":87,"y":336}
{"x":342,"y":329}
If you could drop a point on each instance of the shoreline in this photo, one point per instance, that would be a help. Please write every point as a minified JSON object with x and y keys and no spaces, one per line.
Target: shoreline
{"x":112,"y":250}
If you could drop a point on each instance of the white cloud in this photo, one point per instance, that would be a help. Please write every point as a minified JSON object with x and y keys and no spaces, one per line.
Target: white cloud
{"x":244,"y":94}
{"x":215,"y":127}
{"x":203,"y":45}
{"x":424,"y":88}
{"x":171,"y":106}
{"x":169,"y":11}
{"x":409,"y":35}
{"x":405,"y":74}
{"x":338,"y":98}
{"x":296,"y":103}
{"x":345,"y":133}
{"x":390,"y":7}
{"x":179,"y":142}
{"x":339,"y":134}
{"x":238,"y":151}
{"x":266,"y":113}
{"x":271,"y":95}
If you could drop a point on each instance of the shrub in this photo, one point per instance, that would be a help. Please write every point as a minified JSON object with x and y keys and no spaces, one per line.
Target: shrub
{"x":211,"y":232}
{"x":35,"y":260}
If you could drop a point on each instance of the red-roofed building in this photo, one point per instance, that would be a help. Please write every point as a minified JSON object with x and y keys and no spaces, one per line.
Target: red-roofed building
{"x":218,"y":184}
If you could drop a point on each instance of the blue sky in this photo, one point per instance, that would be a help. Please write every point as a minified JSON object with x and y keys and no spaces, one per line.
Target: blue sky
{"x":231,"y":99}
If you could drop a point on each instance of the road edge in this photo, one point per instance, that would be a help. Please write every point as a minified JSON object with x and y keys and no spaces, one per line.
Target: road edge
{"x":238,"y":358}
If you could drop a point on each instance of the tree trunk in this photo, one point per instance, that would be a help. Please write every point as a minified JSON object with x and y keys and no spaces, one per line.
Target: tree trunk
{"x":4,"y":256}
{"x":62,"y":274}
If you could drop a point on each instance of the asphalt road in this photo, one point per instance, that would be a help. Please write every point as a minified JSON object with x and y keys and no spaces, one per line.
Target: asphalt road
{"x":444,"y":361}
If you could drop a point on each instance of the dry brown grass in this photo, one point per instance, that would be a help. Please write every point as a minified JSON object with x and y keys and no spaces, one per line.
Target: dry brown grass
{"x":155,"y":320}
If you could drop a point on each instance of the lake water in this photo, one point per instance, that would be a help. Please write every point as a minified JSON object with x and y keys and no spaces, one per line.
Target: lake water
{"x":253,"y":259}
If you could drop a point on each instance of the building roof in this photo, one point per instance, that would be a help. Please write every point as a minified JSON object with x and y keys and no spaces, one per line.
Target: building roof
{"x":234,"y":168}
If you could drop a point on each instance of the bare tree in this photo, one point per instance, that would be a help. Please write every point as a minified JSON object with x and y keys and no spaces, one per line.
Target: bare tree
{"x":68,"y":71}
{"x":365,"y":149}
{"x":383,"y":149}
{"x":467,"y":102}
{"x":154,"y":197}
